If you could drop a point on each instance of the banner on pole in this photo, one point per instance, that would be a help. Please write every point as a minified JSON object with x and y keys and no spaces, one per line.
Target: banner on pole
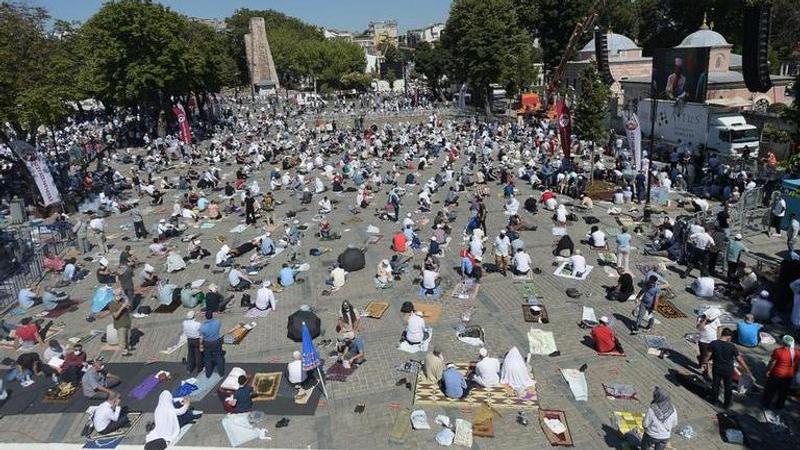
{"x":39,"y":171}
{"x":634,"y":132}
{"x":564,"y":127}
{"x":183,"y":122}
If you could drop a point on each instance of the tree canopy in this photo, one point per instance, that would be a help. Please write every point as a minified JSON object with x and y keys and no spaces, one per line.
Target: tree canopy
{"x":592,"y":106}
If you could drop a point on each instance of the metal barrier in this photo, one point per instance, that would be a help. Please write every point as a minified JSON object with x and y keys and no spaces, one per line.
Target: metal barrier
{"x":23,"y":250}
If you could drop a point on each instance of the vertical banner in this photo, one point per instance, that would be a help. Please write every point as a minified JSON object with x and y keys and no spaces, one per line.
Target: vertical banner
{"x":39,"y":171}
{"x":564,"y":127}
{"x":183,"y":122}
{"x":634,"y":132}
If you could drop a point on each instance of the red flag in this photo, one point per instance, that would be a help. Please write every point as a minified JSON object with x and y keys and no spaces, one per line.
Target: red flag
{"x":183,"y":121}
{"x":564,"y":127}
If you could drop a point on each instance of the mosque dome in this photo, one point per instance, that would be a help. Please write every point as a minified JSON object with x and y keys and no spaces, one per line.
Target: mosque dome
{"x":704,"y":37}
{"x":616,"y":43}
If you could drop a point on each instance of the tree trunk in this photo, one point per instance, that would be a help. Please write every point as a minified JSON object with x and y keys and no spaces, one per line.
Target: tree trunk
{"x":487,"y":101}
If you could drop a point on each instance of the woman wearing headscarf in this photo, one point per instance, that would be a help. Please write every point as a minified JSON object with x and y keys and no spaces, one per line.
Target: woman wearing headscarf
{"x":781,"y":370}
{"x":383,"y":276}
{"x":347,"y":322}
{"x":168,"y":419}
{"x":515,"y":371}
{"x":660,"y":419}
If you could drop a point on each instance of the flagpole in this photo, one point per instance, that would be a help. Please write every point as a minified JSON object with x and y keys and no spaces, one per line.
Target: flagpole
{"x":322,"y":382}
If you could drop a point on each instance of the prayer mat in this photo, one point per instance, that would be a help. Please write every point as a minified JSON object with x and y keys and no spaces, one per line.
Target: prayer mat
{"x":190,"y":237}
{"x":207,"y":225}
{"x":52,"y":314}
{"x":265,"y":386}
{"x":112,"y":440}
{"x":236,"y":336}
{"x":205,"y":385}
{"x":431,"y":312}
{"x":577,"y":383}
{"x":171,"y":349}
{"x":529,"y":291}
{"x":522,"y":278}
{"x":145,"y":387}
{"x":620,"y":391}
{"x":374,"y":239}
{"x":60,"y":393}
{"x":498,"y":397}
{"x":401,"y":427}
{"x":564,"y":437}
{"x":529,"y":316}
{"x":541,"y":342}
{"x":615,"y":352}
{"x":483,"y":429}
{"x":629,"y":421}
{"x":465,"y":291}
{"x":337,"y":372}
{"x":561,"y":272}
{"x":239,"y":429}
{"x":376,"y":310}
{"x":404,"y":346}
{"x":668,"y":309}
{"x":167,"y":309}
{"x":606,"y":257}
{"x":483,"y":421}
{"x":657,"y":342}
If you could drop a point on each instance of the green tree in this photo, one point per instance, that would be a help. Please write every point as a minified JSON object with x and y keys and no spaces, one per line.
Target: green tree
{"x":31,"y":93}
{"x":432,"y":62}
{"x":592,"y":106}
{"x":486,"y":44}
{"x":137,"y":54}
{"x":359,"y":81}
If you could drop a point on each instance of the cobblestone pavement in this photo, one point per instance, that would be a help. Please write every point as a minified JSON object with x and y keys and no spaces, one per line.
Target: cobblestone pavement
{"x":496,"y":309}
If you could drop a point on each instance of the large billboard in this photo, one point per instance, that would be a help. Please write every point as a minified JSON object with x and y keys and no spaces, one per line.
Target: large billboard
{"x":681,"y":73}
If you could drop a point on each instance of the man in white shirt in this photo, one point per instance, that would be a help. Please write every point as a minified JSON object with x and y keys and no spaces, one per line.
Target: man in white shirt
{"x":703,"y":287}
{"x":700,"y":242}
{"x":502,"y":247}
{"x":791,"y":233}
{"x":415,"y":329}
{"x":777,"y":213}
{"x":157,"y":248}
{"x":578,"y":264}
{"x":337,"y":277}
{"x":522,"y":262}
{"x":700,"y":204}
{"x":238,"y":280}
{"x":109,"y":416}
{"x":191,"y":329}
{"x":487,"y":371}
{"x":707,"y":327}
{"x":597,"y":238}
{"x":297,"y":376}
{"x":429,"y":278}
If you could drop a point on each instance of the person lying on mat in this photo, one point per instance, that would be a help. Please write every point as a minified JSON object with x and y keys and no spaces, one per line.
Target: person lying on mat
{"x":603,"y":336}
{"x":97,"y":384}
{"x":487,"y":370}
{"x":170,"y":415}
{"x":110,"y":416}
{"x":454,"y":385}
{"x":52,"y":299}
{"x":241,"y":400}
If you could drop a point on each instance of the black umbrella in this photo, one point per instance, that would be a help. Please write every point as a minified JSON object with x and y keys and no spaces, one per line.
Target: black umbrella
{"x":352,"y":259}
{"x":294,"y":326}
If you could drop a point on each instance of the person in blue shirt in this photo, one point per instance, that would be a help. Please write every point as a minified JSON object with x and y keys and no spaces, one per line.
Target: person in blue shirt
{"x":286,"y":276}
{"x":267,"y":245}
{"x":202,"y":204}
{"x":211,"y":345}
{"x":353,"y":351}
{"x":455,"y":385}
{"x":243,"y":397}
{"x":648,"y":301}
{"x":27,"y":297}
{"x":747,"y":330}
{"x":623,"y":248}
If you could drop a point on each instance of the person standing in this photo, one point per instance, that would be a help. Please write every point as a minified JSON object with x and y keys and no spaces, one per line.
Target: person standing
{"x":194,"y":357}
{"x":121,"y":313}
{"x":81,"y":230}
{"x":723,"y":355}
{"x":623,"y":248}
{"x":138,"y":224}
{"x":659,"y":420}
{"x":777,"y":211}
{"x":700,"y":243}
{"x":781,"y":370}
{"x":249,"y":208}
{"x":791,"y":234}
{"x":502,"y":249}
{"x":394,"y":200}
{"x":733,"y":254}
{"x":211,"y":345}
{"x":125,"y":277}
{"x":707,"y":326}
{"x":647,"y":302}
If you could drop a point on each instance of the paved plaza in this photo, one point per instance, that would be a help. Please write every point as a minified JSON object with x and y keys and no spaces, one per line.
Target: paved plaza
{"x":375,"y":384}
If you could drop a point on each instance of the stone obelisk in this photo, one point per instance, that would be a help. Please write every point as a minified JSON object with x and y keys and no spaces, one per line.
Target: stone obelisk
{"x":259,"y":56}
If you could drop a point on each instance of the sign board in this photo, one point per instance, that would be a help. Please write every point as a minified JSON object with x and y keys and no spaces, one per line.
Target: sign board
{"x":676,"y":123}
{"x":681,"y":73}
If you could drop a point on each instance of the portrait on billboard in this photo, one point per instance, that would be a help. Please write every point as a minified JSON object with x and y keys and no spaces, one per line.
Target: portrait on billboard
{"x":681,"y":74}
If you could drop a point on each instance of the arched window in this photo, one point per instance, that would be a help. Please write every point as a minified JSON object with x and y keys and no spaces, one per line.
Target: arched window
{"x":720,"y":60}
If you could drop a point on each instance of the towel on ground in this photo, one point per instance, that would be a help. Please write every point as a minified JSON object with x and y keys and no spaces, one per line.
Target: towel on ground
{"x":577,"y":383}
{"x":541,"y":342}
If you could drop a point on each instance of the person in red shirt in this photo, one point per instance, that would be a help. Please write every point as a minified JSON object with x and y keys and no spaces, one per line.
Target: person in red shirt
{"x":53,"y":262}
{"x":399,"y":242}
{"x":28,"y":331}
{"x":780,"y":371}
{"x":603,"y":336}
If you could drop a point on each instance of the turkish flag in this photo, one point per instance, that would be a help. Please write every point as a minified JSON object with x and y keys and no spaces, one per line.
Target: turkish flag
{"x":183,"y":121}
{"x":564,"y":127}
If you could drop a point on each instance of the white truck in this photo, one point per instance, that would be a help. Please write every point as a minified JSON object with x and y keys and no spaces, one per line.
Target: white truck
{"x":717,"y":129}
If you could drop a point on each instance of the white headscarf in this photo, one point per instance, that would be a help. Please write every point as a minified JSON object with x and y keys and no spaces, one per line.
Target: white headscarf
{"x":515,"y":371}
{"x":165,"y":419}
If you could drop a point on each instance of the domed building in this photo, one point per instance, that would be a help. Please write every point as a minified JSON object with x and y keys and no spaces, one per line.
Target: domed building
{"x":726,"y":85}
